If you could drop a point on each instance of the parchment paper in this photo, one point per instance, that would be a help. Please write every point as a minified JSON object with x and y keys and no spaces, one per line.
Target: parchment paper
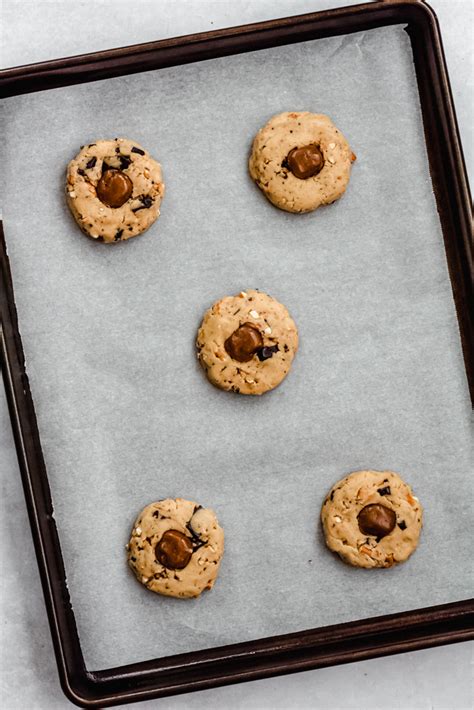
{"x":125,"y":414}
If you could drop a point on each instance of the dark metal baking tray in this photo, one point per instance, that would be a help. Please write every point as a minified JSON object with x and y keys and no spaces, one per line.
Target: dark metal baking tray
{"x":315,"y":647}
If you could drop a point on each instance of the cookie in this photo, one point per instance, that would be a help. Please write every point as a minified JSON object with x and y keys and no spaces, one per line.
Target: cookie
{"x":372,"y":519}
{"x":246,"y":343}
{"x":114,"y":189}
{"x":176,"y":547}
{"x":300,"y":161}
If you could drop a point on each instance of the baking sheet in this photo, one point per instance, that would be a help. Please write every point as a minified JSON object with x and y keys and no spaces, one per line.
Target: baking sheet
{"x":125,"y":414}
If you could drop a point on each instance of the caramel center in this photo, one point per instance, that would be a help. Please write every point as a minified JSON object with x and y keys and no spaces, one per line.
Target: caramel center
{"x":376,"y":520}
{"x":306,"y":161}
{"x":114,"y":188}
{"x":174,"y":550}
{"x":244,"y":342}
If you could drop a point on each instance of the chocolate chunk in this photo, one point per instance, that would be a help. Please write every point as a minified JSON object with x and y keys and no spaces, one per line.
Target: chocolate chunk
{"x":174,"y":550}
{"x":267,"y":352}
{"x":138,"y":150}
{"x":118,"y":235}
{"x":402,"y":525}
{"x":114,"y":188}
{"x":146,"y":201}
{"x":80,"y":171}
{"x":304,"y":162}
{"x":197,"y":542}
{"x":156,"y":514}
{"x":124,"y":162}
{"x":91,"y":163}
{"x":376,"y":519}
{"x":331,"y":497}
{"x":384,"y":491}
{"x":244,"y":342}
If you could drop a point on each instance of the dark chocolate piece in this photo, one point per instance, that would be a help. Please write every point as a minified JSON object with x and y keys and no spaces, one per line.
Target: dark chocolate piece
{"x":118,"y":235}
{"x":402,"y":525}
{"x":90,"y":164}
{"x":267,"y":352}
{"x":197,"y":541}
{"x":137,"y":150}
{"x":384,"y":491}
{"x":146,"y":201}
{"x":124,"y":162}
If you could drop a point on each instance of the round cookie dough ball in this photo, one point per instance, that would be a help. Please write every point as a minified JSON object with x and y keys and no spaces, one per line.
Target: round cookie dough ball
{"x":246,"y":343}
{"x":114,"y":189}
{"x":176,"y":547}
{"x":300,"y":161}
{"x":372,"y":519}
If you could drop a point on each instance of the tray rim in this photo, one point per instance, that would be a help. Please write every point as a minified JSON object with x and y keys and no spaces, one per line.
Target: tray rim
{"x":303,"y":650}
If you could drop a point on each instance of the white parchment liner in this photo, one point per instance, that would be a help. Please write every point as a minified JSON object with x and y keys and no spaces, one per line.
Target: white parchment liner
{"x":127,"y":417}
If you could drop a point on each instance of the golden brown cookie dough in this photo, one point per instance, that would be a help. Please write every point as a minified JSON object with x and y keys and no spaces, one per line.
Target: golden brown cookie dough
{"x":300,"y":161}
{"x":114,"y":189}
{"x":372,"y":519}
{"x":246,"y":343}
{"x":176,"y":547}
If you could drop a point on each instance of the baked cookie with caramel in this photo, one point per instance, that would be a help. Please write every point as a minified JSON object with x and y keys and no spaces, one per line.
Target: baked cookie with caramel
{"x":114,"y":189}
{"x":176,"y":547}
{"x":372,"y":519}
{"x":246,"y":343}
{"x":300,"y":161}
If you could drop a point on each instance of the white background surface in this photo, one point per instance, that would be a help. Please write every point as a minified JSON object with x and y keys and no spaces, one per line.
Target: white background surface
{"x":436,"y":678}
